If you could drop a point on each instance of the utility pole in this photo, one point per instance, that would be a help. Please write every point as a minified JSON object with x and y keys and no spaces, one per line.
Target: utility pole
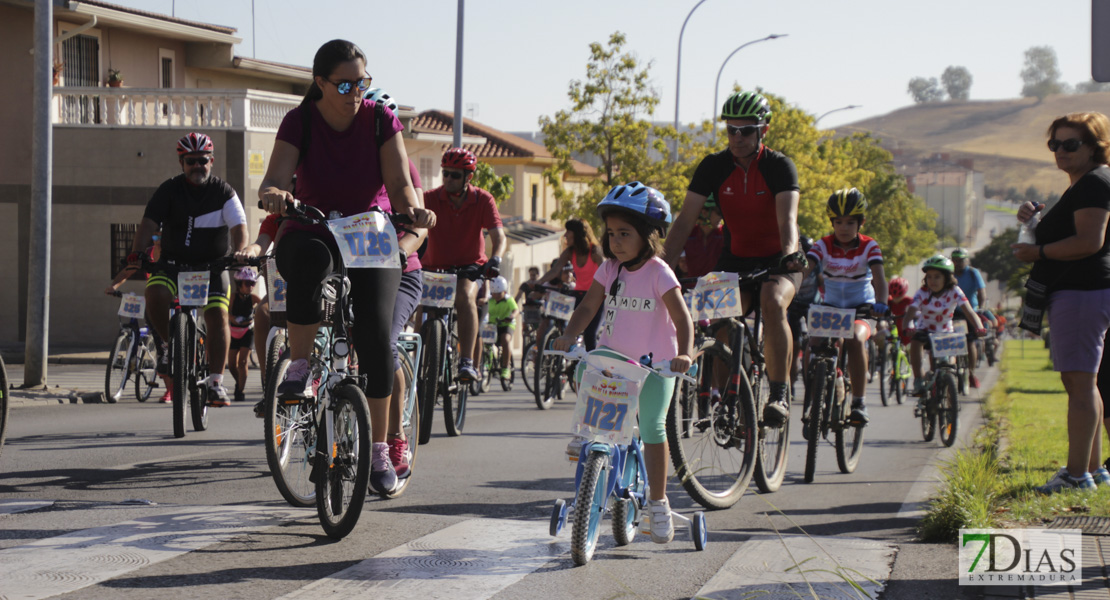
{"x":457,"y":127}
{"x":38,"y":267}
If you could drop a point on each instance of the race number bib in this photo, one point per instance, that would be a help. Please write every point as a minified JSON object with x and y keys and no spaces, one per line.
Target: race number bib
{"x":608,"y":400}
{"x":192,"y":288}
{"x":132,"y":306}
{"x":489,"y":333}
{"x":830,"y":322}
{"x":439,"y":290}
{"x":277,"y":286}
{"x":948,"y":345}
{"x":959,"y":326}
{"x":366,"y":241}
{"x":717,"y":296}
{"x":558,"y":306}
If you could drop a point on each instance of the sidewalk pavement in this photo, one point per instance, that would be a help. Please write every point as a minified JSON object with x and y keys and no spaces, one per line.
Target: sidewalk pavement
{"x":14,"y":355}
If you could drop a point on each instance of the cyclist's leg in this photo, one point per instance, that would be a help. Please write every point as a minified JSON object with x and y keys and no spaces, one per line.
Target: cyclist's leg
{"x":466,"y":310}
{"x":304,"y":261}
{"x":408,"y":296}
{"x":218,"y":331}
{"x":655,"y":399}
{"x":506,"y":338}
{"x":857,"y":357}
{"x":915,"y":358}
{"x":160,"y":291}
{"x":262,"y":329}
{"x":775,"y":297}
{"x":373,"y":295}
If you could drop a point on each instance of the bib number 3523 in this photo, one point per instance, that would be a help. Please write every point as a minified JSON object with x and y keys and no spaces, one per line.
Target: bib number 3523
{"x":192,"y":288}
{"x":366,"y":241}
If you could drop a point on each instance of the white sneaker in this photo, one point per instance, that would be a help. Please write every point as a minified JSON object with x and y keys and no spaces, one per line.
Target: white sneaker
{"x":662,"y":525}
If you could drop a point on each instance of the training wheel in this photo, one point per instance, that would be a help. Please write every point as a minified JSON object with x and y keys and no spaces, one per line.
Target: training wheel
{"x":698,"y":531}
{"x":558,"y":517}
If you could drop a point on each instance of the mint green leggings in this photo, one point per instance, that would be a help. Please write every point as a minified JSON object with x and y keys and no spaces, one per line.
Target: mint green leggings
{"x":655,"y":399}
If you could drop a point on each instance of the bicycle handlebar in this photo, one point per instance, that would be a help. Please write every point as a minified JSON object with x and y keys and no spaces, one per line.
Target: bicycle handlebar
{"x":310,"y":215}
{"x":578,"y":352}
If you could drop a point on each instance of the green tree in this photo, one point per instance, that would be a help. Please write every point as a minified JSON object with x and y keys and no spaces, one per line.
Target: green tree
{"x":925,"y":90}
{"x":1040,"y":76}
{"x":957,"y":82}
{"x":500,"y":187}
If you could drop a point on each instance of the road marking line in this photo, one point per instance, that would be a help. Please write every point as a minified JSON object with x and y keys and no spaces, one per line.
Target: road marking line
{"x":8,"y":507}
{"x":66,"y":563}
{"x":471,"y":560}
{"x":768,"y":567}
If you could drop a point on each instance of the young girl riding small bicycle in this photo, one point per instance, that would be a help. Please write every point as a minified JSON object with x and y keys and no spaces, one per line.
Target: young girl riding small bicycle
{"x":644,"y":314}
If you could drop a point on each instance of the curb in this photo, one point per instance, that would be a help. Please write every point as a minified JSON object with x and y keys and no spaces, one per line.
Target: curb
{"x":44,"y":398}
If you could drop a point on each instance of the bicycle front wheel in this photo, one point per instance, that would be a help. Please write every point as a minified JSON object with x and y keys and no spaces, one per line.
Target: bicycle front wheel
{"x":886,"y":371}
{"x":290,"y":444}
{"x":817,"y":388}
{"x":544,"y":387}
{"x":770,"y":464}
{"x":454,"y":408}
{"x":3,"y":404}
{"x":626,"y":511}
{"x":507,"y":384}
{"x":146,"y":374}
{"x":713,"y":443}
{"x":589,"y":504}
{"x":181,"y":348}
{"x":410,"y":419}
{"x":274,"y":353}
{"x":929,"y":415}
{"x":947,"y":408}
{"x":119,"y":365}
{"x":198,"y":396}
{"x":528,"y":367}
{"x":849,"y":443}
{"x":432,"y":332}
{"x":341,"y":487}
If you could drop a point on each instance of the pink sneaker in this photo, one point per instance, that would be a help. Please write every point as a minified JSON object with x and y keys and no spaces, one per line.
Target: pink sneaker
{"x":399,"y":455}
{"x":167,"y":398}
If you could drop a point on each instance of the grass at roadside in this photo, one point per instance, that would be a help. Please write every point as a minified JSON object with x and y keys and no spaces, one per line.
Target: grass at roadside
{"x":1022,"y":444}
{"x":1002,"y":209}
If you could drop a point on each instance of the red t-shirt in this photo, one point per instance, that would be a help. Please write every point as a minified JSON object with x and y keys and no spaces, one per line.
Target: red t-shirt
{"x":457,"y":238}
{"x":269,"y":227}
{"x":897,"y":312}
{"x":702,"y":251}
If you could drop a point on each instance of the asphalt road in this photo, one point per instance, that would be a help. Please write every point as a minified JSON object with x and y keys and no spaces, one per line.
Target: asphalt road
{"x":88,"y":486}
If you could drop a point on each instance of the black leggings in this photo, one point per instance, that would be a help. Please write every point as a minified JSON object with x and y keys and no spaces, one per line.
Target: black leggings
{"x":305,"y":259}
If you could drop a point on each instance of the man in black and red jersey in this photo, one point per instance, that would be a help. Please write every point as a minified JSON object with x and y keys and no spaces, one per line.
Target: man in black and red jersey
{"x":757,"y":193}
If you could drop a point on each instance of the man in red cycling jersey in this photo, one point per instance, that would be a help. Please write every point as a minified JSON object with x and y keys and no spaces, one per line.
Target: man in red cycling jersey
{"x":464,"y":211}
{"x":757,"y":192}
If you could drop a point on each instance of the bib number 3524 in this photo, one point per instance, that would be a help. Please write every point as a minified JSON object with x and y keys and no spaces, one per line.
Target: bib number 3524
{"x":830,"y":322}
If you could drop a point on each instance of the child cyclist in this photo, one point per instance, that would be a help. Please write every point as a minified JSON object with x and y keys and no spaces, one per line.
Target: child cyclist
{"x":644,"y":313}
{"x":502,"y":313}
{"x":932,"y":309}
{"x":852,"y":267}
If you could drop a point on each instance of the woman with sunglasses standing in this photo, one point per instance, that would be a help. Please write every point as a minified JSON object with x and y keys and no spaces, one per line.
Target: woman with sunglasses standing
{"x":1071,"y":269}
{"x":349,"y":158}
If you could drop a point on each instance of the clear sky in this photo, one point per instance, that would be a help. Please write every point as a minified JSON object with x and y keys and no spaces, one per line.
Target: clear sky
{"x":520,"y":55}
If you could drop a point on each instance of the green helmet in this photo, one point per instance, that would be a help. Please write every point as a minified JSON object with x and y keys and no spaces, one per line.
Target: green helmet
{"x":939,"y":262}
{"x":959,"y":253}
{"x":747,"y":105}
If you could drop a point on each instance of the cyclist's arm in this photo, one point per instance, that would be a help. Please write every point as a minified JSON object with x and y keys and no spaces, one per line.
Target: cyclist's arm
{"x":277,"y":185}
{"x":257,"y":248}
{"x":786,"y":207}
{"x":497,"y":241}
{"x":585,"y":311}
{"x":684,"y":328}
{"x":238,"y":238}
{"x":395,"y":173}
{"x":878,"y":280}
{"x":683,"y":225}
{"x":972,"y":316}
{"x":144,"y":237}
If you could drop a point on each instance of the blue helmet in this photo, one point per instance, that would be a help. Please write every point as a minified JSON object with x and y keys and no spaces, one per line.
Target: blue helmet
{"x":640,"y":200}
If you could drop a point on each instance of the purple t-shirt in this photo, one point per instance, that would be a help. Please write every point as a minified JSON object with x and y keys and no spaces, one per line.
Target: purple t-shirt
{"x":635,"y":321}
{"x":342,"y":169}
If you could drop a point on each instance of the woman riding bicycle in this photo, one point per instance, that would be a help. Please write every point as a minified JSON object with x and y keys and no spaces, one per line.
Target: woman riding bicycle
{"x":348,"y":159}
{"x":584,"y":255}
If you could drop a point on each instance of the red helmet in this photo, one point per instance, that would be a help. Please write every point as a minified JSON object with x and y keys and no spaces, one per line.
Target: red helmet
{"x":459,"y":158}
{"x":194,"y":142}
{"x":898,"y":287}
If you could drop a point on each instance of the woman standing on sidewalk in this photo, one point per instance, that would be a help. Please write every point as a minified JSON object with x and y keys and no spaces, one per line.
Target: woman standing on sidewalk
{"x":1071,"y":258}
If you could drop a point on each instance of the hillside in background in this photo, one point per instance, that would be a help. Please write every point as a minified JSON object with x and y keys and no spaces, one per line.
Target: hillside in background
{"x":1004,"y":138}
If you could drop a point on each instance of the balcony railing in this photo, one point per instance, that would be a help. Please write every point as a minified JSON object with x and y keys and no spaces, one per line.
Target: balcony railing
{"x":164,"y":107}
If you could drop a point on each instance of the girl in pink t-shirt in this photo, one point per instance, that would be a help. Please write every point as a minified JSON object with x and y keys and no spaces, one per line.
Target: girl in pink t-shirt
{"x":932,"y":309}
{"x":643,"y":313}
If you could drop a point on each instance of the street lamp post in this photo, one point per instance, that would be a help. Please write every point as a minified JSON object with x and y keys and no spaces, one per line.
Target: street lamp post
{"x":678,"y":77}
{"x":849,"y":107}
{"x":717,"y":85}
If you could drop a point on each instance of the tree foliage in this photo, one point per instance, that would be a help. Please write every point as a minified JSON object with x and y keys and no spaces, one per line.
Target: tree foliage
{"x":957,"y":82}
{"x":1091,"y":86}
{"x":500,"y":187}
{"x":925,"y":90}
{"x":608,"y":118}
{"x":1040,"y":76}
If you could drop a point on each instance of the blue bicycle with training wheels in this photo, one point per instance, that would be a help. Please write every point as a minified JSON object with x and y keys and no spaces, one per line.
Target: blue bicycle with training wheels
{"x":611,"y":476}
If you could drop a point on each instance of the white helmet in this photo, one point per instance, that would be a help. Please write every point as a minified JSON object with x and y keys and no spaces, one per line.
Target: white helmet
{"x":498,"y":285}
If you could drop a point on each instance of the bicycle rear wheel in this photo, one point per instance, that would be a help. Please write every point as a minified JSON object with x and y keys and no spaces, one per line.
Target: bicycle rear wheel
{"x":290,"y":444}
{"x":120,"y":361}
{"x":432,"y":332}
{"x":410,"y":419}
{"x":181,"y":348}
{"x":454,"y":407}
{"x":849,"y":444}
{"x":817,"y":388}
{"x":929,"y":414}
{"x":543,"y":387}
{"x":713,"y":445}
{"x":589,"y":504}
{"x":198,"y":395}
{"x":146,"y":374}
{"x":341,"y":488}
{"x":770,"y":463}
{"x":507,"y":384}
{"x":3,"y":403}
{"x":274,"y":354}
{"x":528,"y":367}
{"x":886,"y":373}
{"x":947,"y":408}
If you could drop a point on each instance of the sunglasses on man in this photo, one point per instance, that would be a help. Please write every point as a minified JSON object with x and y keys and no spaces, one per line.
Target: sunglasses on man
{"x":199,"y":160}
{"x":453,"y":174}
{"x":1069,"y":145}
{"x":344,"y":86}
{"x":744,"y":130}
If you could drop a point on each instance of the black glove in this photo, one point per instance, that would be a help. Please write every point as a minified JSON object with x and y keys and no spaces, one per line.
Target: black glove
{"x":798,"y":257}
{"x":493,"y":267}
{"x":404,"y":258}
